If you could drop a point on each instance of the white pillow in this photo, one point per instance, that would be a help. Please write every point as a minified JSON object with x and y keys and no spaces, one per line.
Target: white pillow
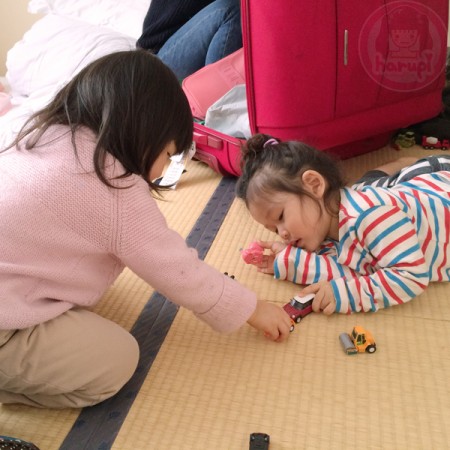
{"x":54,"y":49}
{"x":124,"y":16}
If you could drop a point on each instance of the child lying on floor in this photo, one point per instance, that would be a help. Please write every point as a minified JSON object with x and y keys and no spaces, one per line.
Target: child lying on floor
{"x":374,"y":245}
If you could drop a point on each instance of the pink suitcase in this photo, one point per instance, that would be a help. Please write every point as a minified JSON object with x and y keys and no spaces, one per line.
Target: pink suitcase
{"x":341,"y":76}
{"x":210,"y":83}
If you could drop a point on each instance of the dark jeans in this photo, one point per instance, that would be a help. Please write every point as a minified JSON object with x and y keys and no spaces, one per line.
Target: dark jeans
{"x":210,"y":35}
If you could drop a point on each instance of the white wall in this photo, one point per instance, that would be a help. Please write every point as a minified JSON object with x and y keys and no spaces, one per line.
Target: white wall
{"x":14,"y":21}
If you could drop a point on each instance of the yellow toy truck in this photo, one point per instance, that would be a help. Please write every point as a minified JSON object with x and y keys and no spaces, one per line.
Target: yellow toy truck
{"x":360,"y":340}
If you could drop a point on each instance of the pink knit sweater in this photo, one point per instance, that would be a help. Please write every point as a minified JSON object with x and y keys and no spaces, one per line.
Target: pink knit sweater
{"x":65,"y":237}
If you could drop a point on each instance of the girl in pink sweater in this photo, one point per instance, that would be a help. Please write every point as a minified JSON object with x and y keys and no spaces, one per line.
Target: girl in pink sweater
{"x":76,"y":207}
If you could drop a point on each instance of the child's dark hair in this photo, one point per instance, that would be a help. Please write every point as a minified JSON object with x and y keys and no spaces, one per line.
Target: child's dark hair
{"x":131,"y":101}
{"x":272,"y":166}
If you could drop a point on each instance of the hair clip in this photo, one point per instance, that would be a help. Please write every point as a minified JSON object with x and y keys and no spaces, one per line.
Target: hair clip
{"x":270,"y":141}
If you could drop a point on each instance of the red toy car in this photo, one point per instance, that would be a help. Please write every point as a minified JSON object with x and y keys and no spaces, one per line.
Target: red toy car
{"x":431,"y":143}
{"x":299,"y":307}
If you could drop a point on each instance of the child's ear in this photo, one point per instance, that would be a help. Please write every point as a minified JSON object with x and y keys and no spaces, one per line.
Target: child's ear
{"x":314,"y":183}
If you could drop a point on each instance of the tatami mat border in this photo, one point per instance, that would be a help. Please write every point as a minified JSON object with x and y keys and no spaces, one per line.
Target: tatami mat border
{"x":98,"y":426}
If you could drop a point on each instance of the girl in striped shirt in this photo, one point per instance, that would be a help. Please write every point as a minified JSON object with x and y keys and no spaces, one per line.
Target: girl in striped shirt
{"x":373,"y":245}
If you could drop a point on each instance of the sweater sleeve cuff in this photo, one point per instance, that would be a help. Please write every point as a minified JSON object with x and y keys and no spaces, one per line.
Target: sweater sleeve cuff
{"x":235,"y":307}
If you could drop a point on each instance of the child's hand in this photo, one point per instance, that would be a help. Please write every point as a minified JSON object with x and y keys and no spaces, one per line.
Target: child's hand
{"x":272,"y":320}
{"x":266,"y":264}
{"x":274,"y":246}
{"x":324,"y":298}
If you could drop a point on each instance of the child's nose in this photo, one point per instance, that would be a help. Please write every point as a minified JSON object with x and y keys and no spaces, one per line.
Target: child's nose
{"x":283,"y":233}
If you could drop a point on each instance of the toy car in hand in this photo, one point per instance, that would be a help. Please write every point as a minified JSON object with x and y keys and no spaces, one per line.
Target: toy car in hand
{"x":253,"y":254}
{"x":299,"y":307}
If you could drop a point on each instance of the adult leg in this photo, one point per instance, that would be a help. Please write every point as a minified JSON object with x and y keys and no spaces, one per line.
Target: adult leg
{"x":228,"y":37}
{"x":210,"y":35}
{"x":77,"y":359}
{"x":164,"y":18}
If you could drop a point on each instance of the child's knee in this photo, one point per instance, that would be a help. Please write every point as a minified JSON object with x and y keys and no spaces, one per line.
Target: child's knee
{"x":126,"y":362}
{"x":116,"y":367}
{"x":112,"y":370}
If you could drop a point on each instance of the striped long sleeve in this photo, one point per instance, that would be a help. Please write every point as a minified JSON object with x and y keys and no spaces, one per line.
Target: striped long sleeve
{"x":396,"y":238}
{"x":384,"y":249}
{"x":303,"y":267}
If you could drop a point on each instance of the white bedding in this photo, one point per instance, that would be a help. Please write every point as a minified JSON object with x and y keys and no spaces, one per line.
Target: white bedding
{"x":70,"y":35}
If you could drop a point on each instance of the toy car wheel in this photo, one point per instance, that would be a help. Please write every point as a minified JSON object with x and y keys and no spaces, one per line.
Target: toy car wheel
{"x":371,"y":349}
{"x":292,"y":328}
{"x":298,"y":319}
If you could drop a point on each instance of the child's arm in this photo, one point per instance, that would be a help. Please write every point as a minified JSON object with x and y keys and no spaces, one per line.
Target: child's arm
{"x":391,"y":267}
{"x":303,"y":267}
{"x":161,"y":257}
{"x":315,"y":269}
{"x":388,"y":245}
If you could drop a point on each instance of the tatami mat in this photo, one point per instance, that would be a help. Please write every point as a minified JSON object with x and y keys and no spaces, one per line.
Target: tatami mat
{"x":209,"y":391}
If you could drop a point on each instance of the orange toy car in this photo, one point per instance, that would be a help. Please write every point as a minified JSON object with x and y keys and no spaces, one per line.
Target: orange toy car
{"x":360,"y":340}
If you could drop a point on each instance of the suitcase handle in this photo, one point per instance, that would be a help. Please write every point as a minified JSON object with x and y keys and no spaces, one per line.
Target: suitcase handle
{"x":211,"y":141}
{"x":345,"y":47}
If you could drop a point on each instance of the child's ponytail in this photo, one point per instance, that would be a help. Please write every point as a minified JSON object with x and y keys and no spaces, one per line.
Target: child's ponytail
{"x":255,"y":146}
{"x":253,"y":156}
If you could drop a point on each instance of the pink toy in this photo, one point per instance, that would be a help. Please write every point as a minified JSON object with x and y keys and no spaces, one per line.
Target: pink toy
{"x":253,"y":254}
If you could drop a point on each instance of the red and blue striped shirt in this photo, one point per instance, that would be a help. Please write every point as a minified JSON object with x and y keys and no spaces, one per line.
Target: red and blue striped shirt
{"x":392,"y":243}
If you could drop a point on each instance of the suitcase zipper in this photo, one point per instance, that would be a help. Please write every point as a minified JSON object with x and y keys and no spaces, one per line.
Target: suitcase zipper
{"x":248,"y":64}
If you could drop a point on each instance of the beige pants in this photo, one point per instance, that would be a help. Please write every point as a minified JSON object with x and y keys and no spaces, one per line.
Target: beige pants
{"x":77,"y":359}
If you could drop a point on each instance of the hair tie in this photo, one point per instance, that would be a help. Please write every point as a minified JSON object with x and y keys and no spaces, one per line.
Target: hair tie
{"x":270,"y":141}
